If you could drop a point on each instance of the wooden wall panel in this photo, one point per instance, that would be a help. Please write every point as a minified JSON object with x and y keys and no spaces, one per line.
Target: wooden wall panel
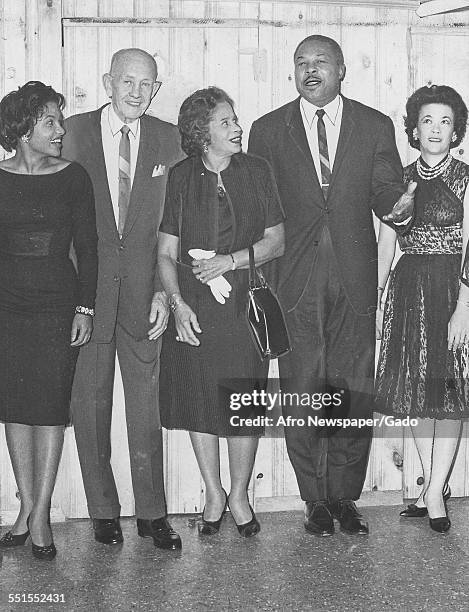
{"x":360,"y":81}
{"x":80,"y":8}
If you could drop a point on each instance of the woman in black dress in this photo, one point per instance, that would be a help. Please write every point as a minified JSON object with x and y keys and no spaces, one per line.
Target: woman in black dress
{"x":46,"y":309}
{"x":423,"y":364}
{"x":219,"y":202}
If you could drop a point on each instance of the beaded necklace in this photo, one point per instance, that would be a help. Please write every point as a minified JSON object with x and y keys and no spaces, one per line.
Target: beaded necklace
{"x":427,"y":174}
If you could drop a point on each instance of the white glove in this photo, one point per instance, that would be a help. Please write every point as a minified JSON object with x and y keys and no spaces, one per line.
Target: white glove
{"x":219,"y":286}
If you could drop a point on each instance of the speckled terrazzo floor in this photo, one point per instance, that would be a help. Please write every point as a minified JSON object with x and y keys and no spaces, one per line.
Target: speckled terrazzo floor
{"x":401,"y":566}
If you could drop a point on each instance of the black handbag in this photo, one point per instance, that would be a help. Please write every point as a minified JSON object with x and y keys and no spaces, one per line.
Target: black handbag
{"x":265,"y":317}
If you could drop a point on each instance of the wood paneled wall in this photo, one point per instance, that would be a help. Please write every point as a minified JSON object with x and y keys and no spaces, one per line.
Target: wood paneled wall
{"x":245,"y":47}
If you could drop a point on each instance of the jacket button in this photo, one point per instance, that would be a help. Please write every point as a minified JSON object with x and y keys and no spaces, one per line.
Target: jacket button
{"x":121,"y":247}
{"x":116,"y":278}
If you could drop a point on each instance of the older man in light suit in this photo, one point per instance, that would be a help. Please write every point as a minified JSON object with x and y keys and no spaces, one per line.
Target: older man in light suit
{"x":335,"y":162}
{"x":127,"y":155}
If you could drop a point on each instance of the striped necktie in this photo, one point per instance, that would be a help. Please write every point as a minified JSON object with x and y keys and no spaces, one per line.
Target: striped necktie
{"x":124,"y":177}
{"x":323,"y":153}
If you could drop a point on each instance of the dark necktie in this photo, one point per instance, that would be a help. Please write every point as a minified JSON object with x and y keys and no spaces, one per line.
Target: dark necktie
{"x":124,"y":177}
{"x":323,"y":153}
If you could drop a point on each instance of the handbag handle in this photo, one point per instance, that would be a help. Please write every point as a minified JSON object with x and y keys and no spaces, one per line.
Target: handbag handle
{"x":256,"y":278}
{"x":252,"y":268}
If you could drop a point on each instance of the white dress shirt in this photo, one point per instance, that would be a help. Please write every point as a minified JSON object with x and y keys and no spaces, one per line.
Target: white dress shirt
{"x":332,"y":122}
{"x":111,"y":137}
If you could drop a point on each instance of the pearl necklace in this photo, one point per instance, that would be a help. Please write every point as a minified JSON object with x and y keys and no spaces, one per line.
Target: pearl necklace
{"x":427,"y":174}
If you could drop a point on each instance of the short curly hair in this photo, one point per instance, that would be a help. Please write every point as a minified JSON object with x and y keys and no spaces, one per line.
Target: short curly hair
{"x":194,"y":118}
{"x":20,"y":110}
{"x":435,"y":94}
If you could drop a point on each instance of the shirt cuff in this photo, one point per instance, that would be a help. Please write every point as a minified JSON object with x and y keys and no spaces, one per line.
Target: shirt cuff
{"x":405,"y":222}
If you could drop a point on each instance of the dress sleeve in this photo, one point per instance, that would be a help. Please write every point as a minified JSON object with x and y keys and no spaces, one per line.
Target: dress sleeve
{"x":85,"y":239}
{"x":172,"y":208}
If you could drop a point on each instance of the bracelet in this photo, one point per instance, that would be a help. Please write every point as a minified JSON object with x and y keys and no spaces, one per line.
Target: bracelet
{"x":175,"y":299}
{"x":84,"y":310}
{"x":380,"y":288}
{"x":233,"y":265}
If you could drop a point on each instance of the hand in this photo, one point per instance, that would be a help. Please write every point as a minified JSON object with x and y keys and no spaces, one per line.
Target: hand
{"x":159,"y":315}
{"x":403,"y":209}
{"x":458,"y":328}
{"x":186,"y":324}
{"x":207,"y":269}
{"x":82,"y":327}
{"x":379,"y":323}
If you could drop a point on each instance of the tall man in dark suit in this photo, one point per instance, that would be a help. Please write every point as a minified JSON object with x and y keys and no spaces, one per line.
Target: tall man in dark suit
{"x":127,"y":155}
{"x":335,"y":161}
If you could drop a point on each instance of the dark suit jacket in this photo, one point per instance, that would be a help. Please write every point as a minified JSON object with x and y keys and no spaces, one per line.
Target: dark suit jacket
{"x":127,"y":276}
{"x":367,"y":175}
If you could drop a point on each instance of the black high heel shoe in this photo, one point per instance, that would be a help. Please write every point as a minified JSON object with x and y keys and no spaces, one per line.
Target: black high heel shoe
{"x":250,"y":528}
{"x":9,"y":540}
{"x":442,"y":524}
{"x":212,"y":527}
{"x":413,"y":511}
{"x":46,"y":553}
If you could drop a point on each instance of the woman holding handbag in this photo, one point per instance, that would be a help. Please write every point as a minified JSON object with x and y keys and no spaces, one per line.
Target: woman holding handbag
{"x":219,"y":202}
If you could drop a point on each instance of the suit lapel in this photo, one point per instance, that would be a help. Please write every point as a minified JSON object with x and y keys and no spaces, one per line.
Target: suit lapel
{"x":147,"y":153}
{"x":298,"y":136}
{"x":102,"y":193}
{"x":347,"y":127}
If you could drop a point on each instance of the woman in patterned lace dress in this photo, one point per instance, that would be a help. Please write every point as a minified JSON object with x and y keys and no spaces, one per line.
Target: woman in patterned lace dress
{"x":422,"y":369}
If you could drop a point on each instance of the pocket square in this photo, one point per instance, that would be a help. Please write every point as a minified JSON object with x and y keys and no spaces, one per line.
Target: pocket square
{"x":158,"y":170}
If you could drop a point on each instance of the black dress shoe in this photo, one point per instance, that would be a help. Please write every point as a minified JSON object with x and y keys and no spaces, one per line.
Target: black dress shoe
{"x":413,"y":511}
{"x":350,"y":519}
{"x":440,"y":524}
{"x":108,"y":531}
{"x":250,"y":528}
{"x":10,"y":541}
{"x":161,"y":531}
{"x":46,"y":553}
{"x":318,"y":519}
{"x":212,"y":527}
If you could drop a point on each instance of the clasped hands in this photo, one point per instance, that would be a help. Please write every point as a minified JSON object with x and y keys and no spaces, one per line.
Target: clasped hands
{"x":208,"y":267}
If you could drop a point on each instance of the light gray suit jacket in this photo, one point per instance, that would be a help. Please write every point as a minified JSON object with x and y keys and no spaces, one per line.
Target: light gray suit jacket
{"x":127,"y":276}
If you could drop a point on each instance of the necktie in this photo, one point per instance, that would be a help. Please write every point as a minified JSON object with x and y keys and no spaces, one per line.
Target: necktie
{"x":124,"y":177}
{"x":323,"y":153}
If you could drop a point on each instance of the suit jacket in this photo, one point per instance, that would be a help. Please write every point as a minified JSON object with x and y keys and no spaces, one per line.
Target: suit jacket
{"x":367,"y":176}
{"x":127,"y":275}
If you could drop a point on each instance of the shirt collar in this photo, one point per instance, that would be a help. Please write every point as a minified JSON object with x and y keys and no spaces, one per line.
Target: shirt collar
{"x":116,"y":124}
{"x":331,"y":110}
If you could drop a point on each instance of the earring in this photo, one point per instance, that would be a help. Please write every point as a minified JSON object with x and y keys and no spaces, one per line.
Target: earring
{"x":25,"y":138}
{"x":416,"y":138}
{"x":453,"y":137}
{"x":205,"y":147}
